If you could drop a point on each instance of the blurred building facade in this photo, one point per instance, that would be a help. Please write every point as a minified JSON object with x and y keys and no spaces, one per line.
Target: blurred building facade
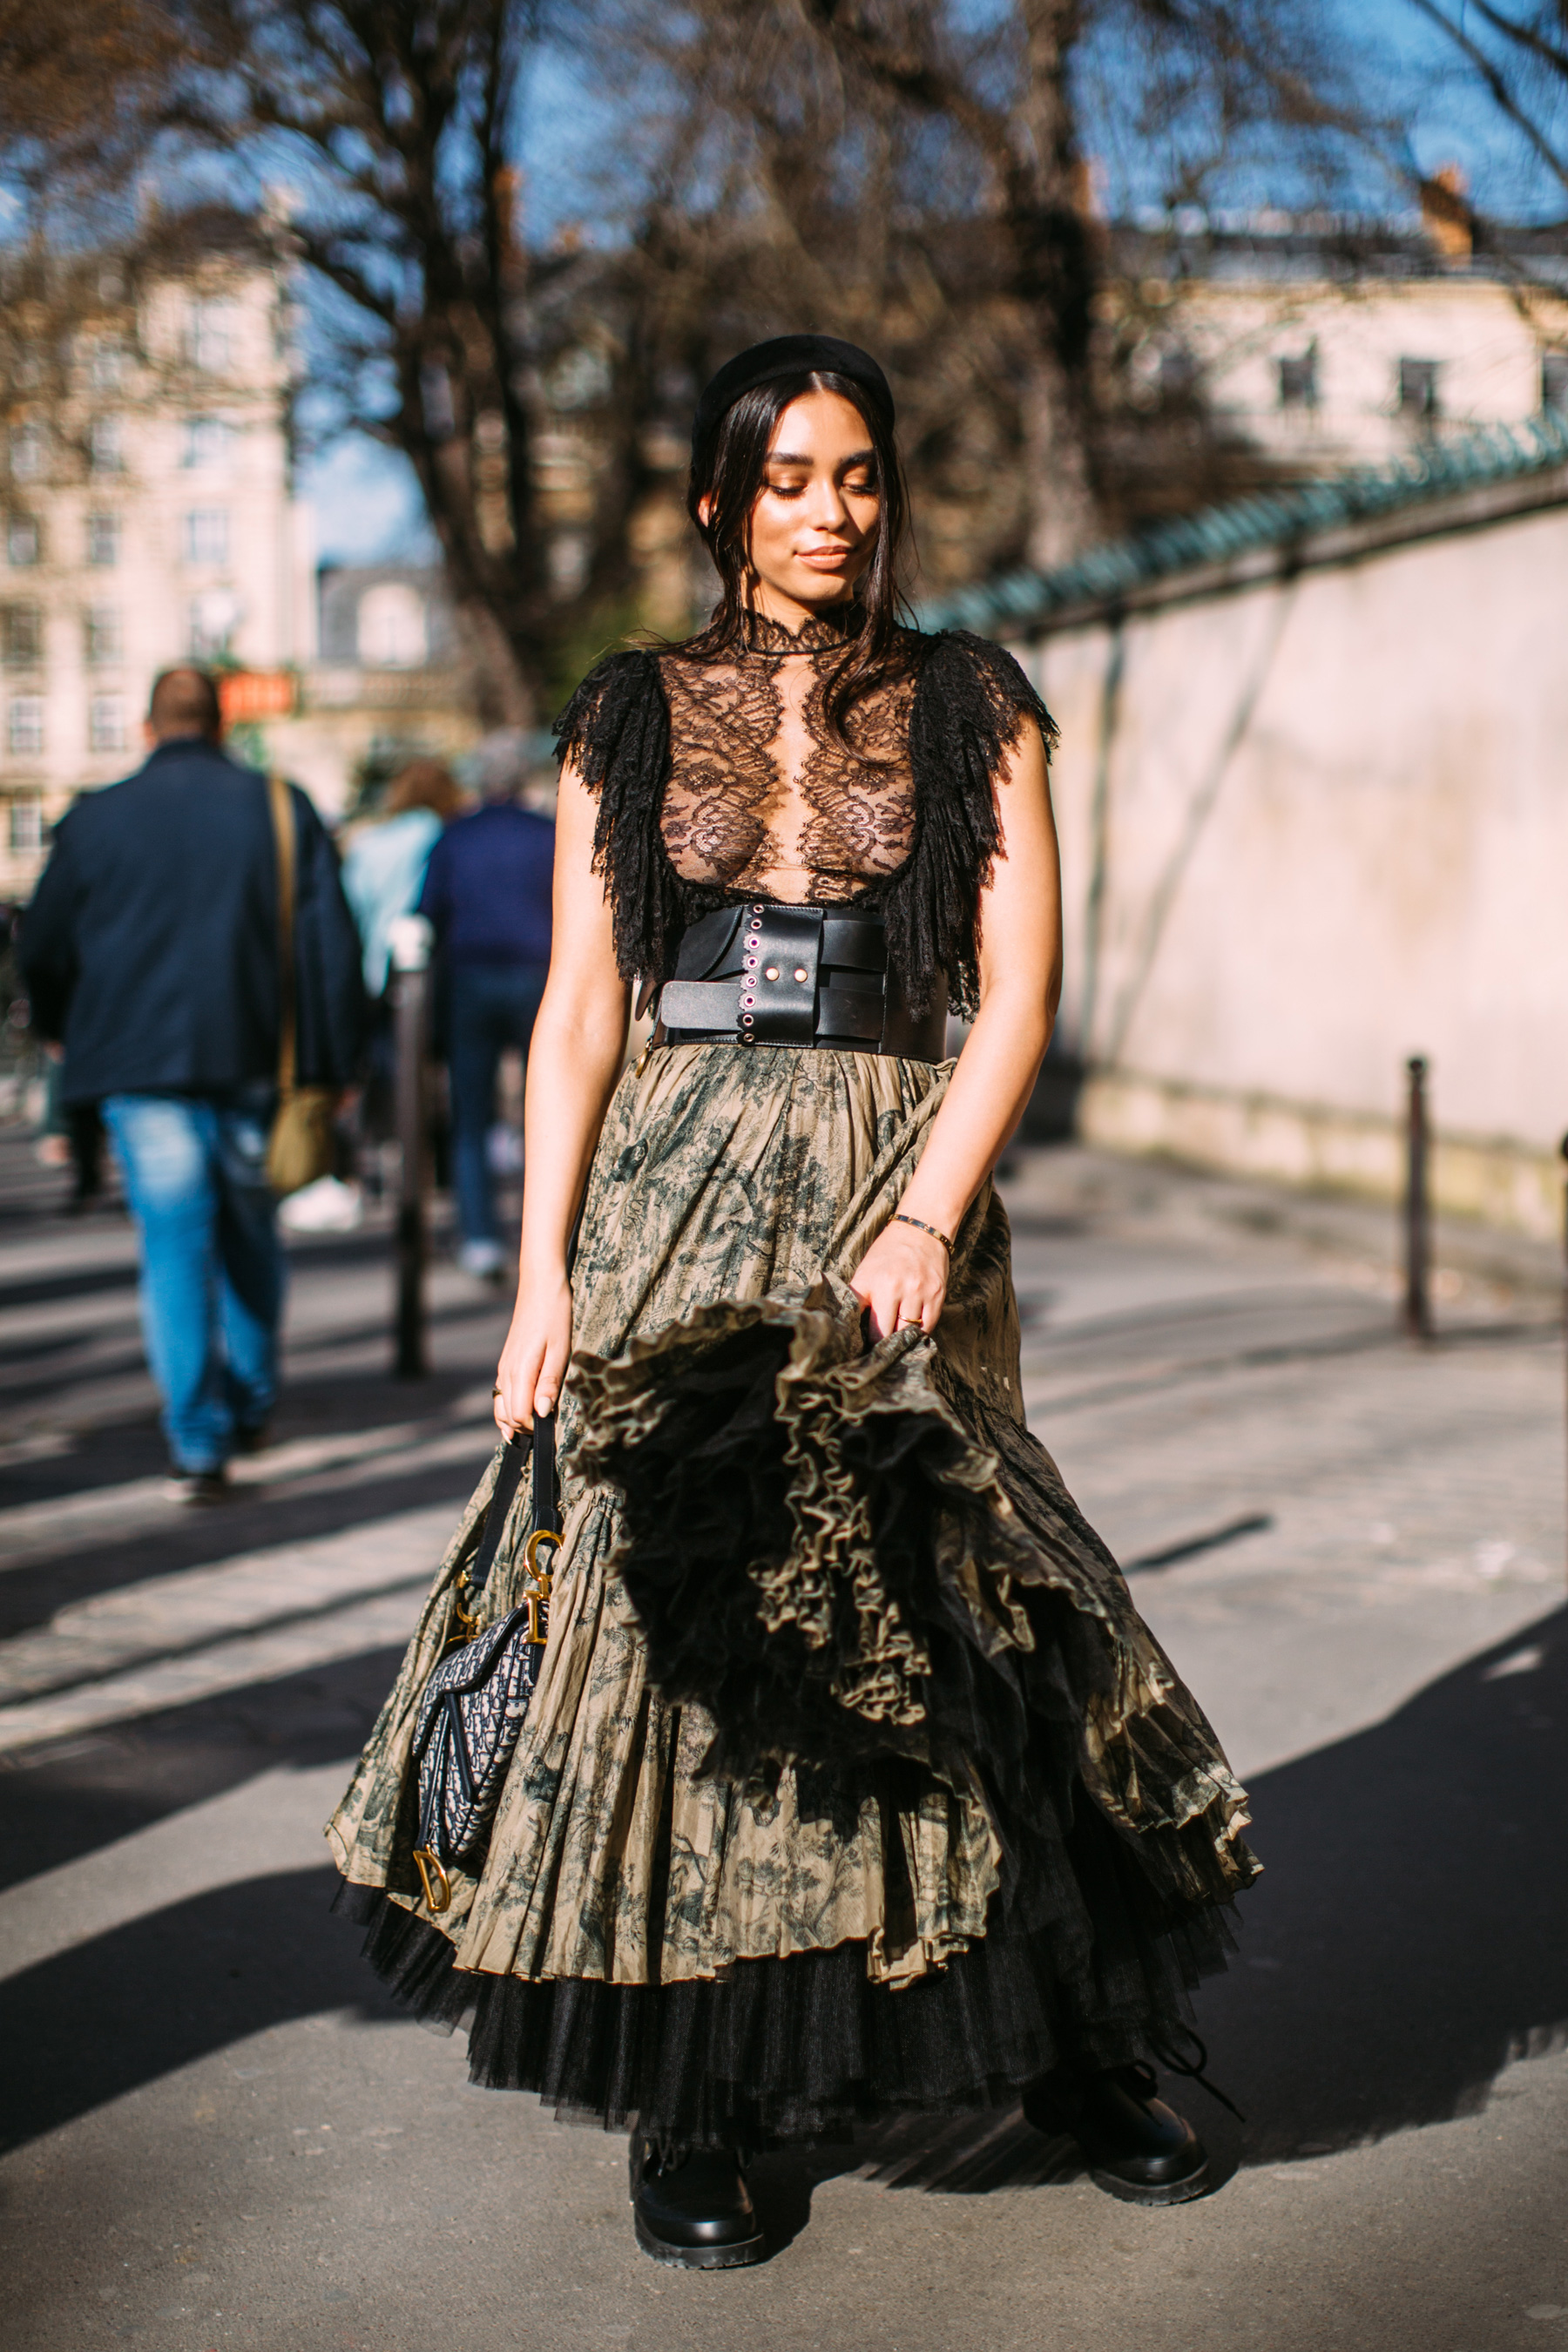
{"x":148,"y":505}
{"x":389,"y":681}
{"x":1240,"y":349}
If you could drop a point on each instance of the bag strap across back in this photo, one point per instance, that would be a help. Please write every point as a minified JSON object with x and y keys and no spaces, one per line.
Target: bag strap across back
{"x":282,"y":809}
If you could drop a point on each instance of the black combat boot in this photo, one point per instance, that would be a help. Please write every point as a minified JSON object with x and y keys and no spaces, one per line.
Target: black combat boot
{"x":1138,"y":2147}
{"x":690,"y":2209}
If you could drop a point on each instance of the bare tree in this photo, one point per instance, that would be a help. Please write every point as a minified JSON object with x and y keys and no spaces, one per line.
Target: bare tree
{"x":78,"y":88}
{"x":909,"y":172}
{"x":1517,"y":57}
{"x":916,"y":171}
{"x":387,"y":128}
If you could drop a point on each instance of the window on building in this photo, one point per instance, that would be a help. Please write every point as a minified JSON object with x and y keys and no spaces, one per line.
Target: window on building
{"x":106,"y":446}
{"x":207,"y":442}
{"x":103,"y":540}
{"x":206,"y":535}
{"x":24,"y":636}
{"x":1418,"y":389}
{"x":390,"y":626}
{"x":27,"y":828}
{"x":211,"y":619}
{"x":1554,"y":383}
{"x":106,"y":722}
{"x":101,"y":639}
{"x":25,"y":725}
{"x":105,"y":363}
{"x":23,"y":543}
{"x":211,"y":336}
{"x":29,"y":452}
{"x":1299,"y":379}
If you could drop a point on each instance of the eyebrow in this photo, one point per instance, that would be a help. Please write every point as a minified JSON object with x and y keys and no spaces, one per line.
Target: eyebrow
{"x":789,"y":458}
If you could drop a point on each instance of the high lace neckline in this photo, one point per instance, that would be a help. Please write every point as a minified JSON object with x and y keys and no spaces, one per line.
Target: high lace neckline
{"x":766,"y":794}
{"x":819,"y":633}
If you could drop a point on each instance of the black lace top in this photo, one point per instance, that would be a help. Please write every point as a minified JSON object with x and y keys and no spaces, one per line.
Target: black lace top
{"x":722,"y":778}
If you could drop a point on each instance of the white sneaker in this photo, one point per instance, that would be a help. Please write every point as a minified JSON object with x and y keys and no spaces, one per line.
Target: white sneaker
{"x":484,"y":1260}
{"x":327,"y":1206}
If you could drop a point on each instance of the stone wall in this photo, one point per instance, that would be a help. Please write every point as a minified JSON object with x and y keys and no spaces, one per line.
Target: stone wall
{"x":1315,"y":820}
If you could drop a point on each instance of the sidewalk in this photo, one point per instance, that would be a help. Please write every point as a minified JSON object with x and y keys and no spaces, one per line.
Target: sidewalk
{"x":221,"y":2136}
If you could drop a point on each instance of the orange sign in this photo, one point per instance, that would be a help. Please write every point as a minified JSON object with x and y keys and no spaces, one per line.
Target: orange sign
{"x":255,"y":694}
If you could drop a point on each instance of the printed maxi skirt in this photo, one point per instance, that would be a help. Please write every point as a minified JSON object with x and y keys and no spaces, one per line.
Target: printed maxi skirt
{"x":853,"y":1780}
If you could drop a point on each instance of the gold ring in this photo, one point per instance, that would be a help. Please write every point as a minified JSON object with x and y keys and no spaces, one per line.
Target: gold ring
{"x":495,"y":1392}
{"x":913,"y":1323}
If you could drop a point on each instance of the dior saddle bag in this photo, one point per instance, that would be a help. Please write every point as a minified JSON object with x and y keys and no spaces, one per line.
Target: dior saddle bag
{"x":475,"y":1702}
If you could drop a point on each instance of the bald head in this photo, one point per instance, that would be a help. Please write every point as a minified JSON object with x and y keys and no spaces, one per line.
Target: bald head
{"x":184,"y":702}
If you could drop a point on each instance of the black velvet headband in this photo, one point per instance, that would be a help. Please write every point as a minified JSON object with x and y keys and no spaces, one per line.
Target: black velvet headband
{"x":788,"y":355}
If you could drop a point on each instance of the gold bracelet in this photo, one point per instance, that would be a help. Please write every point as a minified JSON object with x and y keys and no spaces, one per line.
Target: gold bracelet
{"x":920,"y":1225}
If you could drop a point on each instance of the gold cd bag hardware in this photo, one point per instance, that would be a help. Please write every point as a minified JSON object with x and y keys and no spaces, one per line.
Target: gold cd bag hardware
{"x":474,"y":1705}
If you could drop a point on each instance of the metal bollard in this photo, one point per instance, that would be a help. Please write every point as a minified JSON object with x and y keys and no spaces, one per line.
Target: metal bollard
{"x":411,"y":937}
{"x":1417,"y":1208}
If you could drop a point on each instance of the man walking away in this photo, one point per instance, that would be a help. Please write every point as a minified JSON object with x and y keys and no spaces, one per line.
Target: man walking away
{"x":487,"y":892}
{"x":152,"y":950}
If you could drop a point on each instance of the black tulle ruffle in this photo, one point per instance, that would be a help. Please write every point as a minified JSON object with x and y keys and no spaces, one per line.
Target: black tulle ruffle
{"x":815,"y":1553}
{"x":805,"y":2048}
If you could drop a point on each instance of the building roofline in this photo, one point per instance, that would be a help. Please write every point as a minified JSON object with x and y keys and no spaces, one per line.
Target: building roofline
{"x":1284,"y":521}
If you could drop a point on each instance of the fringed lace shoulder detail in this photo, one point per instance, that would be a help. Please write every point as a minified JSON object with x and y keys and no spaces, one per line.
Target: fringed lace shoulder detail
{"x":615,"y":732}
{"x":971,"y":705}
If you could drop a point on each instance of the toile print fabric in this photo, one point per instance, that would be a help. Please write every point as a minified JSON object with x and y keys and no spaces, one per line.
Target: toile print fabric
{"x":835,"y":1663}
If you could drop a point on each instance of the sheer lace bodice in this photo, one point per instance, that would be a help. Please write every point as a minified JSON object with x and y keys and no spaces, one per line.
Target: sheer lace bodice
{"x":720,"y":777}
{"x":763,"y":794}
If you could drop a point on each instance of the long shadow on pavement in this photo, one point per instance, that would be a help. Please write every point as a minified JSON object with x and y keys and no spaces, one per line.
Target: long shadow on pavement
{"x":1410,"y":1938}
{"x":67,"y":1799}
{"x":31,"y":1594}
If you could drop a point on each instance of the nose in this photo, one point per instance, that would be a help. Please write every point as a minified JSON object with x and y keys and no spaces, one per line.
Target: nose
{"x":826,"y":507}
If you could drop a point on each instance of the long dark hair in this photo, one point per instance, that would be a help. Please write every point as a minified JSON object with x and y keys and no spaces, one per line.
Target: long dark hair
{"x":729,"y":471}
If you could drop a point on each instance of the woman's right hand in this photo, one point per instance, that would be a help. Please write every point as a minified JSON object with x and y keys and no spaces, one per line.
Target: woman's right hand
{"x":533,"y":1360}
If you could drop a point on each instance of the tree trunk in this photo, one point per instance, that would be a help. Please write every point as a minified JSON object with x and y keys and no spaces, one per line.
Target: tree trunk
{"x":1056,"y":272}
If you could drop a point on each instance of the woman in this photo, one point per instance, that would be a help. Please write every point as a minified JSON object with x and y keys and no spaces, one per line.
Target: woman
{"x":382,"y":875}
{"x":383,"y":864}
{"x":853,"y":1780}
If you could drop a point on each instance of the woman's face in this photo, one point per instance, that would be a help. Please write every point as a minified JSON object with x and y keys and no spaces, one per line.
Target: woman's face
{"x":814,"y":526}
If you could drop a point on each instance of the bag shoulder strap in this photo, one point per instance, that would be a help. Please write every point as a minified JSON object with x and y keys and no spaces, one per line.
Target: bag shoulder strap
{"x":282,"y":805}
{"x":544,"y":1513}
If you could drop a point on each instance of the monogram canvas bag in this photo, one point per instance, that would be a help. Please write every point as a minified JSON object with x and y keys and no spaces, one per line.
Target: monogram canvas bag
{"x":472,"y":1712}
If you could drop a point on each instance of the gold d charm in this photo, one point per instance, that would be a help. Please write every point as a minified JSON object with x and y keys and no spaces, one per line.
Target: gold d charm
{"x":433,"y":1879}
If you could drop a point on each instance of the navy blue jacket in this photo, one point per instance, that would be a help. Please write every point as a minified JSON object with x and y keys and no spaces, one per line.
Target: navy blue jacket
{"x":487,"y":886}
{"x":151,"y":946}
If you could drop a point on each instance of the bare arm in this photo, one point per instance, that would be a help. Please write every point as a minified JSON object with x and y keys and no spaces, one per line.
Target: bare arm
{"x":903,"y":1275}
{"x":574,"y":1062}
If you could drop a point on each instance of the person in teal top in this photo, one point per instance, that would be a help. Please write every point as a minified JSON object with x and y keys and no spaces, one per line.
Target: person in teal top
{"x":383,"y":864}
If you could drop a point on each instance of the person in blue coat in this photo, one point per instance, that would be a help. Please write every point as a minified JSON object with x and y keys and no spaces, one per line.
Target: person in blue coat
{"x":487,"y":892}
{"x":151,"y":950}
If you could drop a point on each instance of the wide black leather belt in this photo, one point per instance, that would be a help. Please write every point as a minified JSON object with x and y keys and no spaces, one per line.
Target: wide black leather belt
{"x":769,"y":974}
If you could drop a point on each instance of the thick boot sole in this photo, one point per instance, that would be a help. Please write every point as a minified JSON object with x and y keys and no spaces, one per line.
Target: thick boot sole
{"x":737,"y":2257}
{"x":1155,"y":2192}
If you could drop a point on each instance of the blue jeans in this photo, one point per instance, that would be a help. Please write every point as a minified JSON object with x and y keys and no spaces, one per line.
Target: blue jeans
{"x":489,"y":1006}
{"x":212,"y":1264}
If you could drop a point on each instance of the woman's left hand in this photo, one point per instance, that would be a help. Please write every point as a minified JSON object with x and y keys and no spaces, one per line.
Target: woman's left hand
{"x":902,"y":1278}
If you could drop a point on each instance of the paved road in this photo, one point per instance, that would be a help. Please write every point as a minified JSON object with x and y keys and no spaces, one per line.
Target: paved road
{"x":220,"y":2135}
